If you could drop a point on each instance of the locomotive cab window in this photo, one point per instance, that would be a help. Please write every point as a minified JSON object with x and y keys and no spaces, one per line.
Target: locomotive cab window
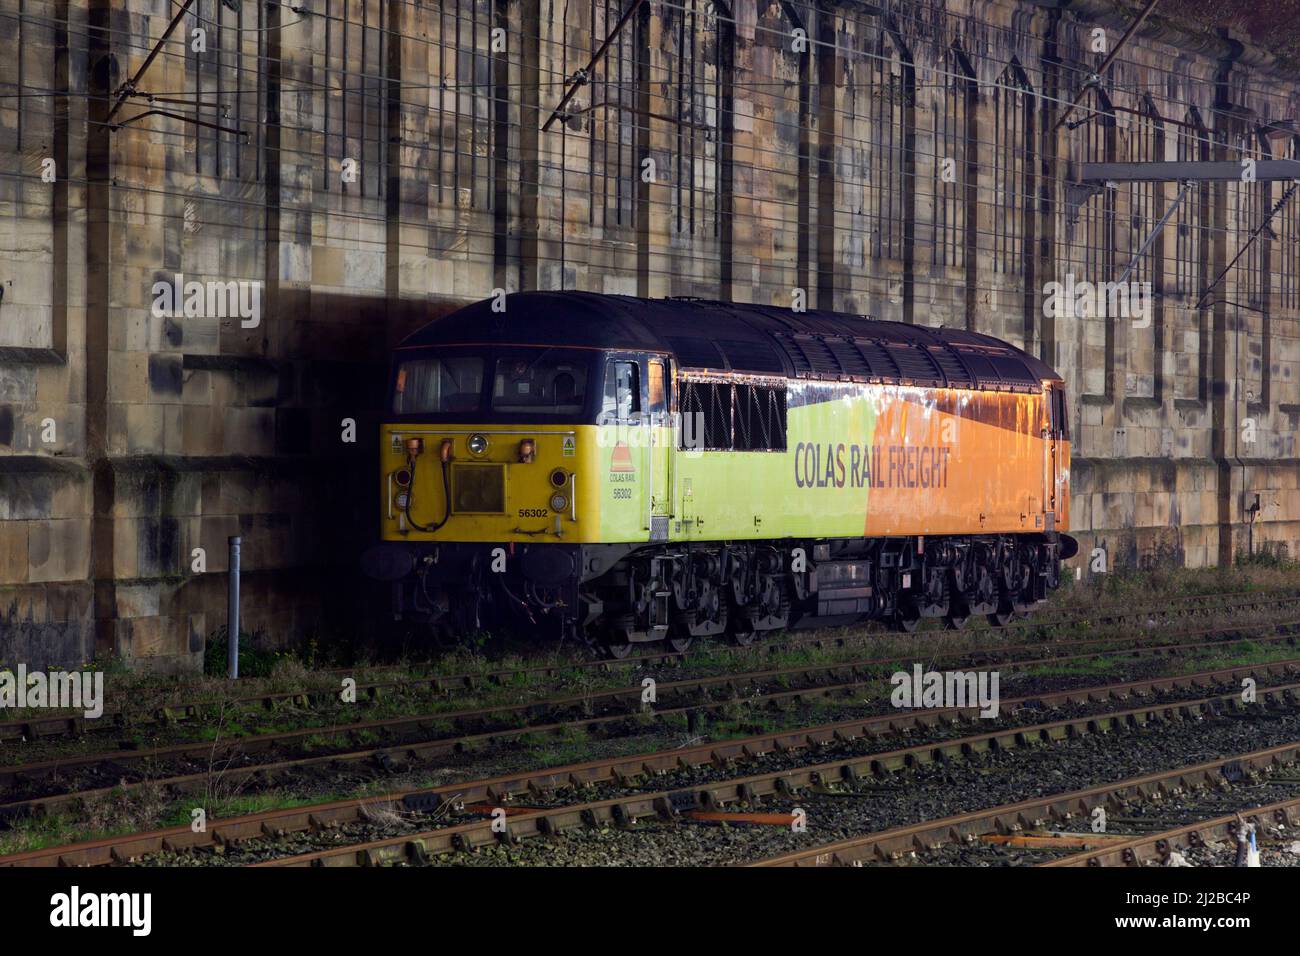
{"x":549,"y":382}
{"x":657,"y":387}
{"x":1060,"y":415}
{"x":437,"y":385}
{"x":622,"y":391}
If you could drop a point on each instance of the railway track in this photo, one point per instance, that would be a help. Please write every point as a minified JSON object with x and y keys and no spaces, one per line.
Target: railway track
{"x":189,"y":765}
{"x":1159,"y":848}
{"x":1137,"y":646}
{"x":627,"y":771}
{"x":1063,"y":808}
{"x":73,"y":725}
{"x":735,"y":798}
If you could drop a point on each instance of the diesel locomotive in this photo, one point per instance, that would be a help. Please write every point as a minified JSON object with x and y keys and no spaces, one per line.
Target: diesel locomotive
{"x":620,"y":470}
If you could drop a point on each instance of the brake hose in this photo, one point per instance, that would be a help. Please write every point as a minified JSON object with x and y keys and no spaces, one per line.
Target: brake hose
{"x":446,"y":490}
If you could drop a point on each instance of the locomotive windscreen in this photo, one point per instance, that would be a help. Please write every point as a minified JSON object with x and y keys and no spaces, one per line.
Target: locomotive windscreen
{"x":486,"y":383}
{"x":552,"y":381}
{"x":439,"y":384}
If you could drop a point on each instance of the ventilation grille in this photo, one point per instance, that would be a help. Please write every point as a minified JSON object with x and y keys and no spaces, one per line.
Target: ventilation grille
{"x":751,"y":356}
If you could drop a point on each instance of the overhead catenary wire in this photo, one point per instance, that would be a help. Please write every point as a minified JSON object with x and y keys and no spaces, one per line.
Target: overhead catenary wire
{"x":548,"y":158}
{"x":559,"y":78}
{"x":666,"y":253}
{"x":418,"y":168}
{"x":758,"y":149}
{"x":557,"y":156}
{"x":408,"y":146}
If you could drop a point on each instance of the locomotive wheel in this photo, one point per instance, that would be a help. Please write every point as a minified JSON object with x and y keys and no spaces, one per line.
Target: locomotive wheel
{"x":958,"y":612}
{"x":907,"y":618}
{"x":1005,"y":612}
{"x":617,"y":644}
{"x":715,"y":623}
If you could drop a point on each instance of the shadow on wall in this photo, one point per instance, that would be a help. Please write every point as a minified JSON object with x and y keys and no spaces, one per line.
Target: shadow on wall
{"x":260,"y":454}
{"x":64,"y":634}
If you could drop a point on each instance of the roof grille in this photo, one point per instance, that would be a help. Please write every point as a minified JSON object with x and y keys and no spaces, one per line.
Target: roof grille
{"x":849,"y":358}
{"x":751,"y":356}
{"x":952,"y":365}
{"x":916,"y":365}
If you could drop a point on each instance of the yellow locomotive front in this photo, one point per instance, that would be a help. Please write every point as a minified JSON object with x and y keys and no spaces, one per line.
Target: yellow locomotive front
{"x":462,"y":465}
{"x":482,"y":468}
{"x":493,"y":468}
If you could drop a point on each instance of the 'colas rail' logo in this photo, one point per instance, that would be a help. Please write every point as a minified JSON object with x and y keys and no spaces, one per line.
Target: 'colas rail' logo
{"x":620,"y":462}
{"x":622,"y":473}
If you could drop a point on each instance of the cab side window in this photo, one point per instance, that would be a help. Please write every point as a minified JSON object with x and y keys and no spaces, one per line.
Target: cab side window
{"x":622,"y":391}
{"x":1060,"y":415}
{"x":657,"y":385}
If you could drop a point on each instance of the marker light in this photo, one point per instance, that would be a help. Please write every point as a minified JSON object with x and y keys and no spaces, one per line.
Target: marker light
{"x":558,"y":478}
{"x":402,"y":476}
{"x":559,"y":502}
{"x":476,"y":444}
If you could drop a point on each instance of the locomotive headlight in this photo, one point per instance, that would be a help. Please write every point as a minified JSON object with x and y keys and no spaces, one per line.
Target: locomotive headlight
{"x":402,"y":477}
{"x":559,"y":478}
{"x":476,"y":444}
{"x":559,"y":502}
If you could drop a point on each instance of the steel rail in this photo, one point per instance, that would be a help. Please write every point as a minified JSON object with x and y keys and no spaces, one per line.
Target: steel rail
{"x":625,"y":770}
{"x":26,"y":729}
{"x":862,"y":674}
{"x":887,"y":845}
{"x":1158,"y":846}
{"x":626,"y":810}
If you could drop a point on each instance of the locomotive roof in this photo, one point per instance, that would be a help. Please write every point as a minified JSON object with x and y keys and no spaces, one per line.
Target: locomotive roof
{"x":742,"y":337}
